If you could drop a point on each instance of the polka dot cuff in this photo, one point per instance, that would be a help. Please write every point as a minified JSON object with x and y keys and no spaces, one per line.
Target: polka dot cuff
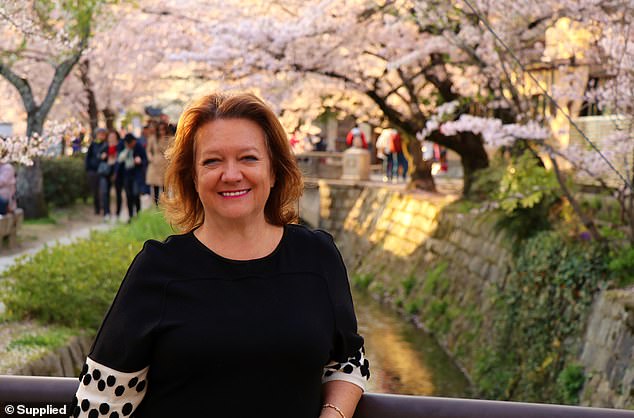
{"x":356,"y":370}
{"x":105,"y":392}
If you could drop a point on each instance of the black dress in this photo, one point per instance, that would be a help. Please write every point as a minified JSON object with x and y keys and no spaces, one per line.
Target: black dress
{"x":193,"y":334}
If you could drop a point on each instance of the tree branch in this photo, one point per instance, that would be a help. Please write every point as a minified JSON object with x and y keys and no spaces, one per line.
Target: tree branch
{"x":587,"y":222}
{"x":22,"y":86}
{"x":413,"y":103}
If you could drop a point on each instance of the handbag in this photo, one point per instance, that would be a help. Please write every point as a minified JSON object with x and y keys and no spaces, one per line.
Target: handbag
{"x":103,"y":169}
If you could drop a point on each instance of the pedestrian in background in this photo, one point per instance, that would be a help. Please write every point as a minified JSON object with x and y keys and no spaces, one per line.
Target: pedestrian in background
{"x":78,"y":141}
{"x":384,"y":152}
{"x":156,"y":146}
{"x":148,"y":130}
{"x":133,"y":159}
{"x":399,"y":162}
{"x":93,"y":158}
{"x":107,"y":171}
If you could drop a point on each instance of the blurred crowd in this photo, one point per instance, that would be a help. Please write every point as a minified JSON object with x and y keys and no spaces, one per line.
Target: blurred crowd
{"x":132,"y":166}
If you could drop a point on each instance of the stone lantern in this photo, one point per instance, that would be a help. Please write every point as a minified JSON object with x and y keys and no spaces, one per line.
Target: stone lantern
{"x":356,"y":164}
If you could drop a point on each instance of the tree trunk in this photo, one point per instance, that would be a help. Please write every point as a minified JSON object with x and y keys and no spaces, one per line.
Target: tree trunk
{"x":30,"y":190}
{"x":419,"y":169}
{"x":473,"y":158}
{"x":470,"y":148}
{"x":30,"y":184}
{"x":93,"y":111}
{"x":109,"y":115}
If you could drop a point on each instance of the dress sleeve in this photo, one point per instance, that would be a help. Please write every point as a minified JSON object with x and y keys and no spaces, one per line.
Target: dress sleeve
{"x":347,"y":356}
{"x":113,"y":380}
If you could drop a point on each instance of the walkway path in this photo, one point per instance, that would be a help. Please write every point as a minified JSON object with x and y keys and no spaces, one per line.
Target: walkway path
{"x":70,"y":225}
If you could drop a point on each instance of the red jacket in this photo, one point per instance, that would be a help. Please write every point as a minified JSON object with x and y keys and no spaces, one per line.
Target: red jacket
{"x":351,"y":135}
{"x":395,"y":143}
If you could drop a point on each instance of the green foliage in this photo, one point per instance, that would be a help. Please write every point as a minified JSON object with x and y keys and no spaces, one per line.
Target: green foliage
{"x":524,"y":191}
{"x":543,"y":307}
{"x":429,"y":301}
{"x":526,"y":183}
{"x":489,"y":377}
{"x":487,"y":181}
{"x":526,"y":194}
{"x":408,"y":284}
{"x":434,"y":279}
{"x":462,"y":206}
{"x":601,"y":206}
{"x":377,"y":287}
{"x":75,"y":16}
{"x":414,"y":307}
{"x":73,"y":285}
{"x":523,"y":223}
{"x":64,"y":180}
{"x":622,"y":266}
{"x":41,"y":221}
{"x":50,"y":338}
{"x":570,"y":382}
{"x":362,"y":281}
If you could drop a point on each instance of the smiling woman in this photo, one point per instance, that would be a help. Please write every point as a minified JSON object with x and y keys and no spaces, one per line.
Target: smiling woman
{"x":244,"y":314}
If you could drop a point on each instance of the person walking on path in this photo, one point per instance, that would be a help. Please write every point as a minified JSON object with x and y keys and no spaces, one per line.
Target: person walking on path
{"x":384,"y":152}
{"x":78,"y":141}
{"x":399,"y":162}
{"x":133,"y":159}
{"x":107,"y":175}
{"x":156,"y":146}
{"x":148,"y":131}
{"x":93,"y":158}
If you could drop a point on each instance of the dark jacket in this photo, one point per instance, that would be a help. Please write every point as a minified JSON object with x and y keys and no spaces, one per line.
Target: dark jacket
{"x":137,"y":172}
{"x":93,"y":155}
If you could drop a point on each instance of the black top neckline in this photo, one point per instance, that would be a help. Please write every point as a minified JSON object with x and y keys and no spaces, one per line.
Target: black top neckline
{"x":226,"y":260}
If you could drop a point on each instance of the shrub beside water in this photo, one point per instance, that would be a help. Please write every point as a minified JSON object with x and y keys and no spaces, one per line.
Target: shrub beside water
{"x":73,"y":285}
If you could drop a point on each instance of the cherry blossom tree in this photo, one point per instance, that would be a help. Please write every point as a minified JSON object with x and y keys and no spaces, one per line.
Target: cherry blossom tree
{"x":595,"y":34}
{"x":405,"y":57}
{"x":41,"y":43}
{"x":290,"y":48}
{"x":124,"y":67}
{"x":614,"y":169}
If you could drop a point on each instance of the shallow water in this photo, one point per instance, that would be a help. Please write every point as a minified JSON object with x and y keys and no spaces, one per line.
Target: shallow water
{"x":404,"y":359}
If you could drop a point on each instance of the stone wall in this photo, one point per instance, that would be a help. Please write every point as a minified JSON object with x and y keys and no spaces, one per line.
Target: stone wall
{"x":441,"y":268}
{"x":65,"y":361}
{"x":608,"y":352}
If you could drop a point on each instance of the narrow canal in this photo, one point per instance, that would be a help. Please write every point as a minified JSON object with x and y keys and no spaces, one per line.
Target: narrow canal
{"x":403,"y":359}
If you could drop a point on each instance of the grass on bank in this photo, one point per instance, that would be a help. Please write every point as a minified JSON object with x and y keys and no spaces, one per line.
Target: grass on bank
{"x":73,"y":285}
{"x":41,"y":339}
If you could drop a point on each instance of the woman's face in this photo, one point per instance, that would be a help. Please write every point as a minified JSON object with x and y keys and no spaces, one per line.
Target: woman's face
{"x":112,"y":139}
{"x":233,"y":170}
